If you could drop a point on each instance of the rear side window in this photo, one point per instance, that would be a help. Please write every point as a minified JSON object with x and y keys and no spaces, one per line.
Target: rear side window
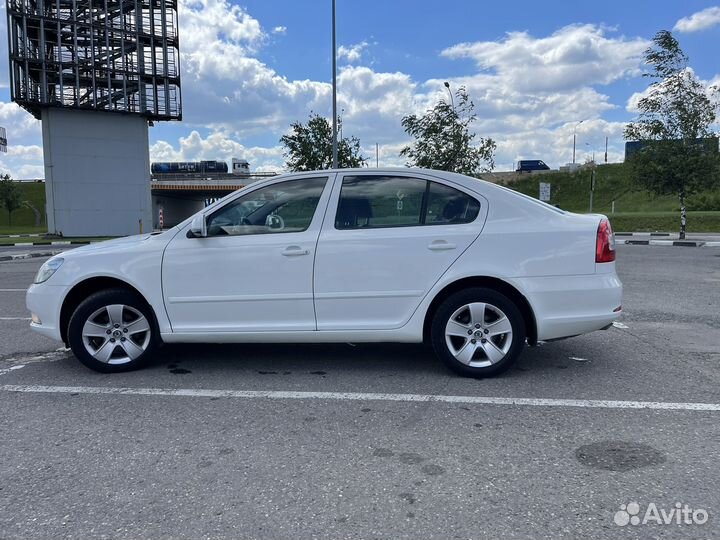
{"x":380,"y":201}
{"x":368,"y":202}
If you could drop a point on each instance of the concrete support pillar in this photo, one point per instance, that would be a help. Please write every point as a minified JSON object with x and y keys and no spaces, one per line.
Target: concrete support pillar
{"x":97,"y":173}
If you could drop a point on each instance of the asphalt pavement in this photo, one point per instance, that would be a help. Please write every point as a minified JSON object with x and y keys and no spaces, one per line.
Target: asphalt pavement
{"x":376,"y":441}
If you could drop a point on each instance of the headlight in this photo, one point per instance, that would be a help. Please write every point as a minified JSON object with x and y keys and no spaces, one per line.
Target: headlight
{"x":48,"y":269}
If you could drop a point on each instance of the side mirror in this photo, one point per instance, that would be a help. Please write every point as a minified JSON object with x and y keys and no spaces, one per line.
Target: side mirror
{"x":274,"y":222}
{"x":197,"y":227}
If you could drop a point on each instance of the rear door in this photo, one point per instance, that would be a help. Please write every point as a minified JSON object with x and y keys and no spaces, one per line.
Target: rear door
{"x":386,"y":239}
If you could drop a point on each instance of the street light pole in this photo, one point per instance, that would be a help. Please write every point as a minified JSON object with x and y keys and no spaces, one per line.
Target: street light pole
{"x":340,"y":123}
{"x":575,"y":138}
{"x":334,"y":93}
{"x":452,"y":101}
{"x":452,"y":104}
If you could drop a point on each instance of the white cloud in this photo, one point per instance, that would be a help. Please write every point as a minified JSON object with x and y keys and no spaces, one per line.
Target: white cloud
{"x":21,"y":126}
{"x":352,"y":53}
{"x":23,"y":161}
{"x":218,"y":145}
{"x":224,"y":85}
{"x":375,"y":102}
{"x":204,"y":22}
{"x":576,"y":55}
{"x":701,"y":20}
{"x":280,"y":30}
{"x":555,"y":145}
{"x":712,"y":89}
{"x":24,"y":158}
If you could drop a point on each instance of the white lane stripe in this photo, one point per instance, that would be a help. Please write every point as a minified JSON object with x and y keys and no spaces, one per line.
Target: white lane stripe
{"x":661,"y":242}
{"x":14,"y":318}
{"x":11,"y":368}
{"x":357,"y":396}
{"x":13,"y":290}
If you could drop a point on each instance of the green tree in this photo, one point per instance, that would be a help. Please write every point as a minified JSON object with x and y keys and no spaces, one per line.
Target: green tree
{"x":10,"y":197}
{"x":677,"y":110}
{"x":308,"y":147}
{"x":443,"y":139}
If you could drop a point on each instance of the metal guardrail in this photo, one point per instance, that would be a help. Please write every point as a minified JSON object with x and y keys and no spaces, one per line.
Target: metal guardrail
{"x":210,"y":177}
{"x":187,"y":186}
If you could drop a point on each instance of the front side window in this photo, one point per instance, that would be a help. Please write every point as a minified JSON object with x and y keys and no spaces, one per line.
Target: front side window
{"x":283,"y":207}
{"x":368,"y":202}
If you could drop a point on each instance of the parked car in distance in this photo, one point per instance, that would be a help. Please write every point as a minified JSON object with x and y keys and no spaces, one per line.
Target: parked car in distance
{"x":528,"y":165}
{"x":351,"y":255}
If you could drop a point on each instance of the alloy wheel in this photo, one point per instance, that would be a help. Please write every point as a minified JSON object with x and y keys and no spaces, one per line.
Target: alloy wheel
{"x":116,"y":334}
{"x":478,"y":334}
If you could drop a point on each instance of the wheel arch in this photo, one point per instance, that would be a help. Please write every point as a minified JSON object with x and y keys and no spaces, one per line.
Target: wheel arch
{"x":81,"y":290}
{"x":491,"y":283}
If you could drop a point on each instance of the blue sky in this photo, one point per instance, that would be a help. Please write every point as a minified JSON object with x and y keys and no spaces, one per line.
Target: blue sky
{"x":534,"y":69}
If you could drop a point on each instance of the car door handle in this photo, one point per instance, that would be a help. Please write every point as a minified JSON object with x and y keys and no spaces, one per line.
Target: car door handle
{"x":294,"y":251}
{"x":441,"y":245}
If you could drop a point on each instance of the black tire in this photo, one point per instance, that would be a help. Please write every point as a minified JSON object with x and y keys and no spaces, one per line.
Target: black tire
{"x":124,"y":343}
{"x":510,"y":344}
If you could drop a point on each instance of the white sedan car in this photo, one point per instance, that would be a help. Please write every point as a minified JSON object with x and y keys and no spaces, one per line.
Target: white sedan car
{"x":353,"y":255}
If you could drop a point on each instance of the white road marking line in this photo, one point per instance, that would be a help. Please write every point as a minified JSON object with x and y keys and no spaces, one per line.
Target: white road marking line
{"x":661,"y":242}
{"x":53,"y":356}
{"x":11,"y":368}
{"x":13,"y":290}
{"x":358,"y":396}
{"x":578,"y":359}
{"x":14,"y":318}
{"x":617,"y":324}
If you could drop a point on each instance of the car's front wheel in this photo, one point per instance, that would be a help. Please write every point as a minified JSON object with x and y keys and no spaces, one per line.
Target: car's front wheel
{"x":478,"y":332}
{"x":112,"y":331}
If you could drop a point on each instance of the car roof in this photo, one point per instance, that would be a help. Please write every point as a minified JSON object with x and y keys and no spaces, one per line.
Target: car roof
{"x":479,"y":185}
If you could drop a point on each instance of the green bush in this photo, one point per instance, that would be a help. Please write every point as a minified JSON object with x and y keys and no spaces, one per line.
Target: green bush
{"x":708,"y":201}
{"x":697,"y":222}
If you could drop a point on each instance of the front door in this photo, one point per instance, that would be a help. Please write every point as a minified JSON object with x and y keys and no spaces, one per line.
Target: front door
{"x":253,"y":271}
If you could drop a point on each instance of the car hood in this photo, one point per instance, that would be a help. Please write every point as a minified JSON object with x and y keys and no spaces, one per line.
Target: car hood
{"x":124,"y":243}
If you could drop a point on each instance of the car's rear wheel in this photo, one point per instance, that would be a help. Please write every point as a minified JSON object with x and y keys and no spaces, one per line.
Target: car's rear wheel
{"x":478,"y":332}
{"x":112,"y":331}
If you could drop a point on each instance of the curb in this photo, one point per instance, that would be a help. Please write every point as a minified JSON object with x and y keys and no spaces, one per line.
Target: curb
{"x":679,"y":243}
{"x":34,"y":255}
{"x":59,"y":243}
{"x":642,"y":234}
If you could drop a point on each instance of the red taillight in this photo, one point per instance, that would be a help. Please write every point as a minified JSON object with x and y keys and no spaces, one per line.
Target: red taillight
{"x":605,"y":244}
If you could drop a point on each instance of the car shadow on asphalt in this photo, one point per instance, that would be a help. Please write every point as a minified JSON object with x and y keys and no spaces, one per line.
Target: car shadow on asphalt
{"x":371,"y":359}
{"x":270,"y":358}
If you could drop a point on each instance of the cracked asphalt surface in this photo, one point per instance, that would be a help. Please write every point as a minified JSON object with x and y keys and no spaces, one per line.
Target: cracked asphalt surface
{"x":78,"y":465}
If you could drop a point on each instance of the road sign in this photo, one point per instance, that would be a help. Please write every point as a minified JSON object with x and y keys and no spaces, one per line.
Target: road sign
{"x":544,"y":191}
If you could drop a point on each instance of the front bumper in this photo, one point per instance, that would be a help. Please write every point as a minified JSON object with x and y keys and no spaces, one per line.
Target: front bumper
{"x":44,"y":302}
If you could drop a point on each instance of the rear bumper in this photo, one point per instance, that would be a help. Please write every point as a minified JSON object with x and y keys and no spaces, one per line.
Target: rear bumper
{"x":44,"y":302}
{"x":571,"y":305}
